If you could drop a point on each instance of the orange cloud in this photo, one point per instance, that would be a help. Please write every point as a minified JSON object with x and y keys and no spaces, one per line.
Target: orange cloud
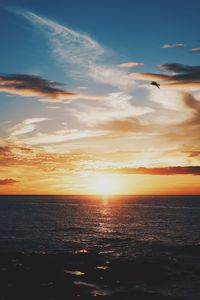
{"x":123,"y":125}
{"x":188,"y":170}
{"x":8,"y":181}
{"x":131,"y":64}
{"x":148,"y":76}
{"x":183,"y":84}
{"x":12,"y":155}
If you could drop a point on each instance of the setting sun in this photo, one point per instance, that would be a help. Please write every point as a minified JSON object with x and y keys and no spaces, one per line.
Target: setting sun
{"x":105,"y":184}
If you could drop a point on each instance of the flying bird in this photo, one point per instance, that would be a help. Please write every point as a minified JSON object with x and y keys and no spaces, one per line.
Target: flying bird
{"x":156,"y":84}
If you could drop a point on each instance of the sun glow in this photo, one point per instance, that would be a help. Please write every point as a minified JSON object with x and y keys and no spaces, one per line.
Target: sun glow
{"x":105,"y":184}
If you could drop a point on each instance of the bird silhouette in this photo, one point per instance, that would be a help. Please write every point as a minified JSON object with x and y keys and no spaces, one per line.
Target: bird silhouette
{"x":156,"y":84}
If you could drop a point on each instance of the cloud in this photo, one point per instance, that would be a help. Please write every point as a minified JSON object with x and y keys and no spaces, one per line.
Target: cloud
{"x":180,"y":71}
{"x":67,"y":44}
{"x":8,"y":181}
{"x":148,"y":76}
{"x":131,"y":64}
{"x":179,"y":170}
{"x":184,"y":103}
{"x":193,"y":106}
{"x":80,"y":51}
{"x":169,"y":46}
{"x":61,"y":136}
{"x":194,"y":153}
{"x":34,"y":86}
{"x":26,"y":126}
{"x":15,"y":158}
{"x":83,"y":87}
{"x":178,"y":76}
{"x":123,"y":125}
{"x":195,"y":50}
{"x":117,"y":106}
{"x":4,"y":150}
{"x":109,"y":75}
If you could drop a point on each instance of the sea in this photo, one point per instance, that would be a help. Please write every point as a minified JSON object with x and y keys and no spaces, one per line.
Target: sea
{"x":115,"y":233}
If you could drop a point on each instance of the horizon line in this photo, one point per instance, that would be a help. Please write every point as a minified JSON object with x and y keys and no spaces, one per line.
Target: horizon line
{"x":99,"y":195}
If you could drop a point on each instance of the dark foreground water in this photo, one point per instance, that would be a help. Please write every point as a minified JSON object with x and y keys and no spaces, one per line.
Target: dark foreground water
{"x":56,"y":247}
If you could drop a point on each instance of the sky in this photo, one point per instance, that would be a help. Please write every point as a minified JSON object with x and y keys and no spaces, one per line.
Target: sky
{"x":78,"y":113}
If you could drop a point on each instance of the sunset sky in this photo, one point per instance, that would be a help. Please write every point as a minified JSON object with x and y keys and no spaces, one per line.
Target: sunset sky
{"x":77,"y":112}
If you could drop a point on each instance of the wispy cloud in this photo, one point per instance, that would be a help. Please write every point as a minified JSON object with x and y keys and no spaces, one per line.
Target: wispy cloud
{"x":61,"y":136}
{"x":67,"y":44}
{"x":110,"y":75}
{"x":25,"y":126}
{"x":79,"y":50}
{"x":117,"y":106}
{"x":170,"y":46}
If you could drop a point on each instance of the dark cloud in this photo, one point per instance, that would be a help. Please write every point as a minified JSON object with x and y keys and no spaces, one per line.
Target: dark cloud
{"x":8,"y":181}
{"x":32,"y":85}
{"x":191,"y":170}
{"x":182,"y":72}
{"x":178,"y":75}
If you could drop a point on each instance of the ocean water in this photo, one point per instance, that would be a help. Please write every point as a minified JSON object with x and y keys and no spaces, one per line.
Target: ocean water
{"x":120,"y":226}
{"x":131,"y":247}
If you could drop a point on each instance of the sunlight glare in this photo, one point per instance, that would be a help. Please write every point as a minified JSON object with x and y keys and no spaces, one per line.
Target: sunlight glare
{"x":105,"y":184}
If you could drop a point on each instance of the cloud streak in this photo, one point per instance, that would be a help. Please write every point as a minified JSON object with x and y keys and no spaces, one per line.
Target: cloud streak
{"x":26,"y":126}
{"x":67,"y":44}
{"x":61,"y":136}
{"x":171,"y":46}
{"x":179,"y":170}
{"x":79,"y":51}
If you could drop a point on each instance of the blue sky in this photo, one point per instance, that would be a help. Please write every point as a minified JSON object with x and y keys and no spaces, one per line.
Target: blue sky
{"x":128,"y":27}
{"x":75,"y":78}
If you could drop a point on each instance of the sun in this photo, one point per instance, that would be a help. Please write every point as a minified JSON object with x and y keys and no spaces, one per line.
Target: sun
{"x":105,"y":184}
